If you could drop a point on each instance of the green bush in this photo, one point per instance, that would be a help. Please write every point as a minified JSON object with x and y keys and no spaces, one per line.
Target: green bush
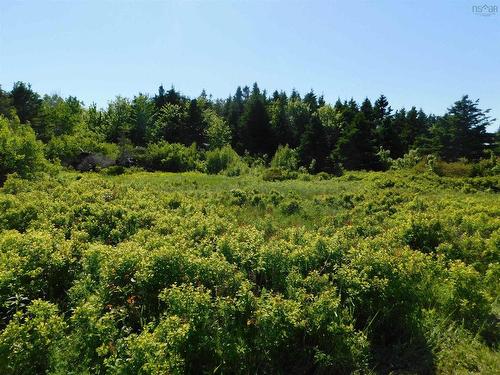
{"x":20,"y":152}
{"x":457,"y":169}
{"x":285,"y":158}
{"x":28,"y":341}
{"x":408,"y":161}
{"x":224,"y":160}
{"x":169,"y":157}
{"x":114,"y":170}
{"x":487,"y":167}
{"x":191,"y":273}
{"x":278,"y":174}
{"x":68,"y":148}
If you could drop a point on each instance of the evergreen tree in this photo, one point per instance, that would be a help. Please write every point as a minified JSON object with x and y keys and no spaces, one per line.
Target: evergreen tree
{"x":415,"y":128}
{"x":173,"y":97}
{"x":160,"y":99}
{"x":395,"y":141}
{"x":311,"y":100}
{"x":355,"y":148}
{"x":331,"y":119}
{"x":279,"y":119}
{"x":233,"y":113}
{"x":387,"y":135}
{"x":461,"y":132}
{"x":313,"y":149}
{"x":6,"y":107}
{"x":194,"y":132}
{"x":26,"y":101}
{"x":256,"y":128}
{"x":142,"y":118}
{"x":367,"y":109}
{"x":299,"y":116}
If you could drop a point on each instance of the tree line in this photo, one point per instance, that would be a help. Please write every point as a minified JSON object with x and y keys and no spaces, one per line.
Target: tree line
{"x":345,"y":134}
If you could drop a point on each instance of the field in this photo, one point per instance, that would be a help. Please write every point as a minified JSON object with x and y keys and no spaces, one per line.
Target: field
{"x":163,"y":273}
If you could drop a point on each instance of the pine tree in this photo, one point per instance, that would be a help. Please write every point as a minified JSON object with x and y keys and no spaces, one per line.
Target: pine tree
{"x":415,"y":127}
{"x":461,"y":132}
{"x":6,"y":106}
{"x":355,"y":148}
{"x":280,"y":123}
{"x":194,"y":132}
{"x":367,"y":109}
{"x":142,"y":118}
{"x":313,"y":149}
{"x":234,"y":111}
{"x":160,"y":99}
{"x":311,"y":100}
{"x":255,"y":125}
{"x":27,"y":103}
{"x":387,"y":134}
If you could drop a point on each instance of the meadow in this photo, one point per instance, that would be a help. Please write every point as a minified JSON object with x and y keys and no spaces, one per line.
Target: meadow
{"x":170,"y":273}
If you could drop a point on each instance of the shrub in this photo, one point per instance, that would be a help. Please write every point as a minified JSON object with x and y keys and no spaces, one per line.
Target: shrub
{"x":285,"y":158}
{"x":278,"y":174}
{"x":20,"y":152}
{"x":35,"y":265}
{"x":321,"y":176}
{"x":290,"y":206}
{"x":224,"y":160}
{"x":408,"y":160}
{"x":487,"y":167}
{"x":114,"y":170}
{"x":424,"y":235}
{"x":15,"y":214}
{"x":28,"y":341}
{"x":169,"y":157}
{"x":69,"y":148}
{"x":456,"y":169}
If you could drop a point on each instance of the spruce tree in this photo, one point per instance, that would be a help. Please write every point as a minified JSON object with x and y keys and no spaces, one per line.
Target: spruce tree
{"x":142,"y":118}
{"x":27,"y":103}
{"x":461,"y":132}
{"x":256,"y":128}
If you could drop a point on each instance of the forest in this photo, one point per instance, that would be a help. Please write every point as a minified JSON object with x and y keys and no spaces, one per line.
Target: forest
{"x":171,"y":132}
{"x":258,"y":234}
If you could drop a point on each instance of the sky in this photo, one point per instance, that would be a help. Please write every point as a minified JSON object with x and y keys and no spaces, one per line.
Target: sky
{"x":422,"y":53}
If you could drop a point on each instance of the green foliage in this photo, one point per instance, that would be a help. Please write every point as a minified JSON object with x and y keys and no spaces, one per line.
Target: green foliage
{"x":218,"y":131}
{"x":225,"y":160}
{"x":326,"y":138}
{"x":409,"y":160}
{"x":285,"y":158}
{"x":142,"y":118}
{"x":20,"y":152}
{"x":272,"y":270}
{"x":278,"y":174}
{"x":487,"y":167}
{"x":27,"y":343}
{"x":169,"y":125}
{"x":462,"y":131}
{"x":26,"y":102}
{"x":68,"y":148}
{"x":256,"y":129}
{"x":150,"y":273}
{"x":456,"y":169}
{"x":171,"y":157}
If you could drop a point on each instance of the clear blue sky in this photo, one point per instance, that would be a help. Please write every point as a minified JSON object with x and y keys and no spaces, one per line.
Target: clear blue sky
{"x":422,"y":53}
